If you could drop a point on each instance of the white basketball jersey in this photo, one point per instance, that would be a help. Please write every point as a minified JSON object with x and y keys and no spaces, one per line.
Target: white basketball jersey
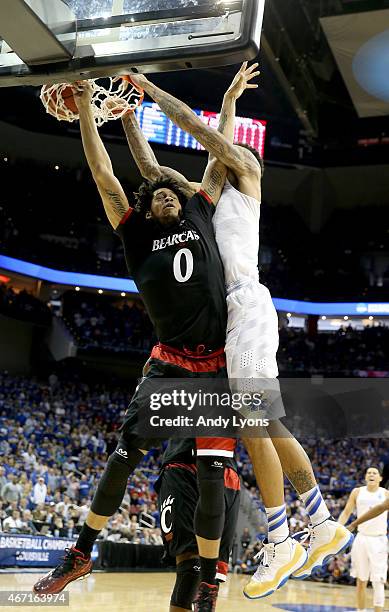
{"x":236,"y":226}
{"x":367,"y":500}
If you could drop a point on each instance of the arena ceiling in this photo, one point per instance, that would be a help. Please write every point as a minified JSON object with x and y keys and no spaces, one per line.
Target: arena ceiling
{"x":312,"y":117}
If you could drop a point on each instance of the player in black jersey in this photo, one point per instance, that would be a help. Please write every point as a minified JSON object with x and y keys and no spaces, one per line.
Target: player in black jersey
{"x":172,"y":254}
{"x":177,"y":498}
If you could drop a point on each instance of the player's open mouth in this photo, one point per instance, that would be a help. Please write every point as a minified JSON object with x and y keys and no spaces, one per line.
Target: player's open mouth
{"x":168,"y":206}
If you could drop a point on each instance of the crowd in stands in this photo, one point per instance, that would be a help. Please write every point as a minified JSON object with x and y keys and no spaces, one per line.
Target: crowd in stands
{"x":122,"y":326}
{"x":347,"y":350}
{"x":106,"y":324}
{"x":100,"y":324}
{"x":23,"y":305}
{"x":55,"y":438}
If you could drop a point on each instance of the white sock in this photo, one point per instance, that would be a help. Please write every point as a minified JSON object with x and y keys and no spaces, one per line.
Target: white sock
{"x":315,"y":506}
{"x":278,"y":528}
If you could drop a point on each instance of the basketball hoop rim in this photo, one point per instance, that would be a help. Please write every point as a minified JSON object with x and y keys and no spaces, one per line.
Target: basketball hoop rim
{"x":127,"y":77}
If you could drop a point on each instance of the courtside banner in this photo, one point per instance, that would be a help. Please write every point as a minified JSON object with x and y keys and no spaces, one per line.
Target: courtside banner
{"x":18,"y":550}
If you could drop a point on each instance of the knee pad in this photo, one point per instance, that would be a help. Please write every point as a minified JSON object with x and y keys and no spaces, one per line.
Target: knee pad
{"x":187,"y":582}
{"x":379,"y":594}
{"x":210,"y":511}
{"x":113,"y":482}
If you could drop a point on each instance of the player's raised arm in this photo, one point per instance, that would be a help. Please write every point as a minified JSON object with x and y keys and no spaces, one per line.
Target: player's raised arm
{"x":370,"y":514}
{"x":349,"y":508}
{"x":216,"y":172}
{"x":240,"y":83}
{"x":146,"y":160}
{"x":239,"y":160}
{"x":114,"y":199}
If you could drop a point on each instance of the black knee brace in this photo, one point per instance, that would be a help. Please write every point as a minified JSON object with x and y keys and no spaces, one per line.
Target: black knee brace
{"x":113,"y":482}
{"x":210,"y":511}
{"x":187,"y":582}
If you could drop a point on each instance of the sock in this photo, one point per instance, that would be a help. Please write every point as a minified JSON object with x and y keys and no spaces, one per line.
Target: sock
{"x":86,"y":539}
{"x":208,"y":570}
{"x":315,"y":506}
{"x":278,"y":528}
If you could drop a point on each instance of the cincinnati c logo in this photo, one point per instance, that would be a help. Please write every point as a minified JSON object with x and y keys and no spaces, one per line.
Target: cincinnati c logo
{"x":166,"y":512}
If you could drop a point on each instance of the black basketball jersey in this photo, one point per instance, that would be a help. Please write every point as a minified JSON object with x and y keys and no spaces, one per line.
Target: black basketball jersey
{"x":179,"y":274}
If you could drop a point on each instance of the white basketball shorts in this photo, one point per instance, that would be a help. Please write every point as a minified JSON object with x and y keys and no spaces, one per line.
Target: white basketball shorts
{"x":252,"y":343}
{"x":369,"y":558}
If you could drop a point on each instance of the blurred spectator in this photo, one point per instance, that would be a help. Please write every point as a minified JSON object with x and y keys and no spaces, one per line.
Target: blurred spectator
{"x":11,"y":490}
{"x":40,"y":491}
{"x":245,"y":540}
{"x":13,"y":523}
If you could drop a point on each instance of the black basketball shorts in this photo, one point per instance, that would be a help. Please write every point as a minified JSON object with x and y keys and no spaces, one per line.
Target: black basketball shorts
{"x":177,"y":499}
{"x":167,"y":362}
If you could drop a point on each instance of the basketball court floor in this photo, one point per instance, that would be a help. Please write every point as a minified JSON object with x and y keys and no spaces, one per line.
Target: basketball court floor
{"x":149,"y":592}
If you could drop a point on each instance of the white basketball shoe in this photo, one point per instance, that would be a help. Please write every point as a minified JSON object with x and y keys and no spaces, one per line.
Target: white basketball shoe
{"x":277,"y":563}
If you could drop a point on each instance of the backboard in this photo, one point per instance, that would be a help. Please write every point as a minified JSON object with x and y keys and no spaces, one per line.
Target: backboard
{"x":99,"y":37}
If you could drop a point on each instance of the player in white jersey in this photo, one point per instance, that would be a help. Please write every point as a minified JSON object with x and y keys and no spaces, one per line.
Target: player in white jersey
{"x":252,"y":342}
{"x":369,"y":554}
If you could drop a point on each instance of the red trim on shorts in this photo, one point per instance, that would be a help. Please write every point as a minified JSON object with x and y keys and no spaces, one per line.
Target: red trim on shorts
{"x":231,"y":479}
{"x":213,"y":447}
{"x":191,"y":467}
{"x":126,"y":216}
{"x":206,"y":196}
{"x":192,"y":362}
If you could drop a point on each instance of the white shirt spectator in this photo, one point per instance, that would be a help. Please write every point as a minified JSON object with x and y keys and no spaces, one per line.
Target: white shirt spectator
{"x":62,"y":508}
{"x":12,"y":523}
{"x":83,"y":513}
{"x":40,"y":491}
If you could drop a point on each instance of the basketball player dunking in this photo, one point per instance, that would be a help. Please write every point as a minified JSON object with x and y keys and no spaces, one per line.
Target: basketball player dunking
{"x":369,"y":554}
{"x":189,"y":316}
{"x":236,"y":229}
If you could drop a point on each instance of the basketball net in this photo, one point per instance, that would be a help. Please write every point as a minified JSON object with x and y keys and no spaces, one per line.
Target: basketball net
{"x":107,"y":104}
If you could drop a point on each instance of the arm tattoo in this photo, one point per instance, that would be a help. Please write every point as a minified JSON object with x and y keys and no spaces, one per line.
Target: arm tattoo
{"x":222,"y":122}
{"x":184,"y":118}
{"x":216,"y":180}
{"x":141,"y":151}
{"x":301,"y":480}
{"x":116,"y":201}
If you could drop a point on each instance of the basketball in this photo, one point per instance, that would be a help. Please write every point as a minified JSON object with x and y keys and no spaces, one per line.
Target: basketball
{"x":68,"y":98}
{"x":58,"y":100}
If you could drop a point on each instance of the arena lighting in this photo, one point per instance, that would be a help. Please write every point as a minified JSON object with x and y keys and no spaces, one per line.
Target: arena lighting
{"x":289,"y":315}
{"x":77,"y":288}
{"x":371,"y":318}
{"x":59,"y":277}
{"x":324,"y":318}
{"x":345,"y":318}
{"x":108,"y":283}
{"x":4,"y":279}
{"x":123,"y":294}
{"x":100,"y":291}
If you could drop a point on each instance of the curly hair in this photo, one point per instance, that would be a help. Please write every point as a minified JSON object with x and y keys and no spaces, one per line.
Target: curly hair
{"x":144,"y":197}
{"x":256,"y":154}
